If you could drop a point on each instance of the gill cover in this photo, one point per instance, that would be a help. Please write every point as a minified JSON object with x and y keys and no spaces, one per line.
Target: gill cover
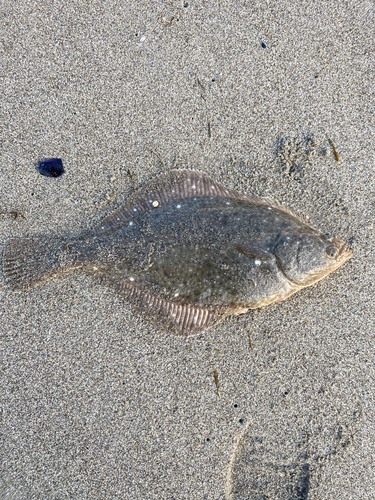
{"x":302,"y":257}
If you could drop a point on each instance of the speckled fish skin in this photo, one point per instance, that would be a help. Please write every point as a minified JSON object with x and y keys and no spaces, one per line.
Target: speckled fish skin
{"x":189,"y":251}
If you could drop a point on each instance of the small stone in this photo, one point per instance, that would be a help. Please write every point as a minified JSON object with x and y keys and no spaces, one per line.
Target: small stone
{"x":52,"y":167}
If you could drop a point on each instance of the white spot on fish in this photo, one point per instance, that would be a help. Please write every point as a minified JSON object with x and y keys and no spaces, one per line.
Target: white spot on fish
{"x":269,"y":208}
{"x":193,"y":187}
{"x":257,"y":262}
{"x":178,"y":206}
{"x":130,"y":223}
{"x":288,"y":237}
{"x":150,"y":201}
{"x":176,"y":294}
{"x":102,"y":227}
{"x":228,"y":203}
{"x":134,"y":209}
{"x":131,"y":279}
{"x":95,"y":268}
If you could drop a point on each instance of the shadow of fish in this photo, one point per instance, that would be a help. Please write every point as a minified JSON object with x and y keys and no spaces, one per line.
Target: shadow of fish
{"x":187,"y":251}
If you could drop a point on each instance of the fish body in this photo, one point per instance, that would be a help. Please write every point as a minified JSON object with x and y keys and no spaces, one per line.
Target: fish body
{"x":188,"y":251}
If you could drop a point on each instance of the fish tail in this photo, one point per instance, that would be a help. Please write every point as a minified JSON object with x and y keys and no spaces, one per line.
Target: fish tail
{"x":28,"y":262}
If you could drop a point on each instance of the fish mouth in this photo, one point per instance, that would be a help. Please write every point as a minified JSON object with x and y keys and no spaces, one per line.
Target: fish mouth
{"x":344,"y":254}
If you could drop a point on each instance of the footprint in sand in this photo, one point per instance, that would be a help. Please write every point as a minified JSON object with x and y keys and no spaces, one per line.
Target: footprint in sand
{"x":281,"y":455}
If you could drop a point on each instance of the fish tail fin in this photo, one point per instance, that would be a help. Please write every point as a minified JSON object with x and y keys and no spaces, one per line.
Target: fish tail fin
{"x":27,"y":262}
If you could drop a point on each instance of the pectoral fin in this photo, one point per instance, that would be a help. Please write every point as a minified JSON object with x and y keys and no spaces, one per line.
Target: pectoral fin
{"x":259,"y":255}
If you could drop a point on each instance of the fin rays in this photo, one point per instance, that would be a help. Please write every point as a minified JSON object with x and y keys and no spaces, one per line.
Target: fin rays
{"x":177,"y":185}
{"x":184,"y":319}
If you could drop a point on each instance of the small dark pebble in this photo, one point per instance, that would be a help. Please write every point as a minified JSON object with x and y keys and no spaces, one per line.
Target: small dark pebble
{"x":264,"y":45}
{"x":51,"y":168}
{"x":241,"y":420}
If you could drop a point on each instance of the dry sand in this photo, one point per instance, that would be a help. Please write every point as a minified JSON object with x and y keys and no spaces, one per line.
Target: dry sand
{"x":95,"y":402}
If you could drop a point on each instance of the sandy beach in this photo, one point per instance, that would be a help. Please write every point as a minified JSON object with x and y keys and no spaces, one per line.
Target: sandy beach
{"x":274,"y":99}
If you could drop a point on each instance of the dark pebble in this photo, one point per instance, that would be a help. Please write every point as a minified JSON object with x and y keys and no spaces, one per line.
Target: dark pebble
{"x":51,"y":168}
{"x":264,"y":45}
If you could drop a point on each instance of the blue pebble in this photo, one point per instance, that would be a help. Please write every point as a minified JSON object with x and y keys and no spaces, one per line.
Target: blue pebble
{"x":51,"y":168}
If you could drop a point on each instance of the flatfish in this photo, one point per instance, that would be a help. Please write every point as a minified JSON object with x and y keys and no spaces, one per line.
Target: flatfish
{"x":187,"y":251}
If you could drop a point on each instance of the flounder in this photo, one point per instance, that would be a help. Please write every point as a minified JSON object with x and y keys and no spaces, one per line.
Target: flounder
{"x":188,"y":251}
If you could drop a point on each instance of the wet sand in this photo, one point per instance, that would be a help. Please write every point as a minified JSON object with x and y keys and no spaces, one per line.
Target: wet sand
{"x":95,"y":401}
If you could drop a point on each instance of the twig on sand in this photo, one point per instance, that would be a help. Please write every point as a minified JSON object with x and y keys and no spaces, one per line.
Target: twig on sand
{"x":337,"y":158}
{"x":250,"y":343}
{"x":13,"y":214}
{"x":216,"y":377}
{"x":158,"y":156}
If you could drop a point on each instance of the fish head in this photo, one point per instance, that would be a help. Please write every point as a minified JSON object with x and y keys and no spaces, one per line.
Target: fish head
{"x":306,"y":256}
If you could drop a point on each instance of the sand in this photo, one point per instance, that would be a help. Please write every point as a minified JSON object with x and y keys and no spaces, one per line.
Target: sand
{"x":98,"y":403}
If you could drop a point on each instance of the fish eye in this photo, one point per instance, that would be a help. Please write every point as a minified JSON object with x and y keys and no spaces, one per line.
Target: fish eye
{"x":328,"y":237}
{"x":331,"y":251}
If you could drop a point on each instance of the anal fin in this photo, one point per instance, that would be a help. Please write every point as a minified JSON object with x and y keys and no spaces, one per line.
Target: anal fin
{"x":179,"y":318}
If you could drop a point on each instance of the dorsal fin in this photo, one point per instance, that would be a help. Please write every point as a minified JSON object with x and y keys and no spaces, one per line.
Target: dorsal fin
{"x":175,"y":185}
